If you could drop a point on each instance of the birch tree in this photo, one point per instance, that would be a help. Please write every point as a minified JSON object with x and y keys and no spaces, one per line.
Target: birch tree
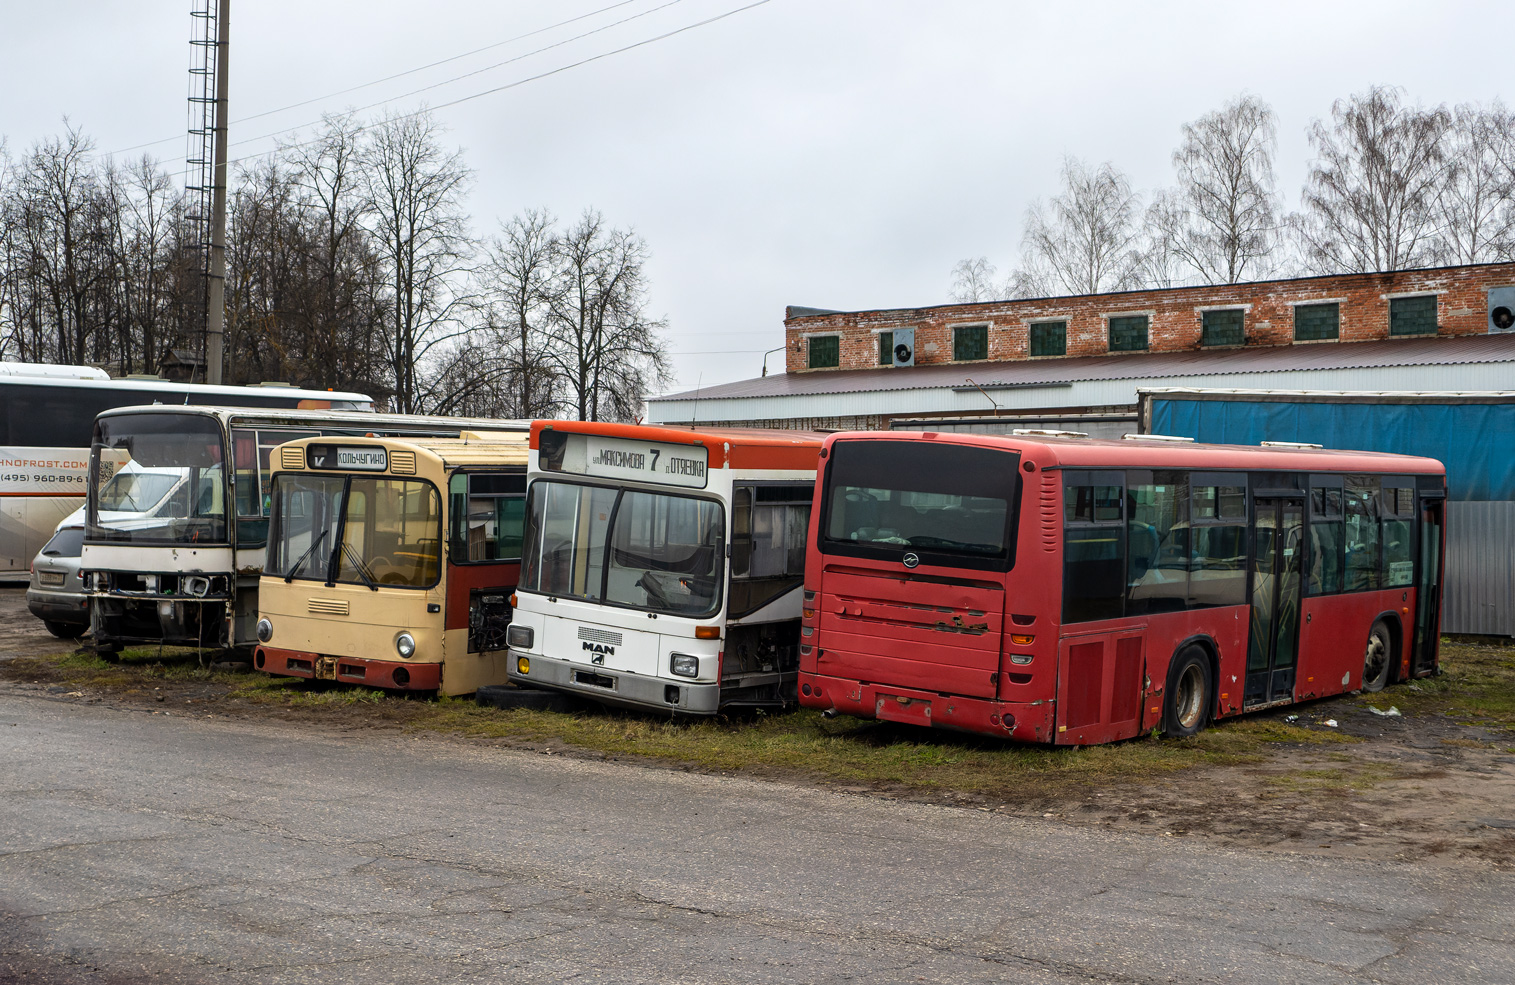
{"x":1083,"y":241}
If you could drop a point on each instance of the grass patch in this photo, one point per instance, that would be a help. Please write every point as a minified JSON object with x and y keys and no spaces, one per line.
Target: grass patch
{"x":1479,"y":684}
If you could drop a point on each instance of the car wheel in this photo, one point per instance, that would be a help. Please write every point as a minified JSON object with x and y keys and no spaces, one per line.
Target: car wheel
{"x":64,"y":630}
{"x":1189,"y":696}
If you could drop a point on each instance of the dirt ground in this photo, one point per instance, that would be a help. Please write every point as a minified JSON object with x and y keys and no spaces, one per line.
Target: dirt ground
{"x":1421,"y":786}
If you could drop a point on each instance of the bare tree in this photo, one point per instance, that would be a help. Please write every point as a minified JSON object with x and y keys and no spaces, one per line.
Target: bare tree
{"x":413,"y":193}
{"x":1085,"y":240}
{"x":1228,"y":193}
{"x":1166,"y":226}
{"x":1370,"y":198}
{"x":973,"y":281}
{"x":518,"y":284}
{"x":1477,"y":213}
{"x":608,"y":351}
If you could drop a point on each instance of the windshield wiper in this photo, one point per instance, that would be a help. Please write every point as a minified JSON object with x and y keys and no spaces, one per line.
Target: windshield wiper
{"x":289,"y":575}
{"x":349,"y":552}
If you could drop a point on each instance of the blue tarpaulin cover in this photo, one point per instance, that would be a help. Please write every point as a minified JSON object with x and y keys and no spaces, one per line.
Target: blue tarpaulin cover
{"x":1476,"y":442}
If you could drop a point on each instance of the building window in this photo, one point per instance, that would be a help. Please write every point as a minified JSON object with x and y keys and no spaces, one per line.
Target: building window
{"x":1413,"y":316}
{"x":1314,"y":322}
{"x":970,"y":342}
{"x":1049,"y":338}
{"x":1222,"y":328}
{"x":1128,"y":333}
{"x":886,"y":348}
{"x":825,"y":351}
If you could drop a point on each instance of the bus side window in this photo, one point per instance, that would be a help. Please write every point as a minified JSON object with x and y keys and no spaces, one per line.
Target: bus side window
{"x":1157,"y":539}
{"x":1218,"y":545}
{"x":1325,"y":540}
{"x":1362,"y":544}
{"x":1398,"y":550}
{"x":768,"y":529}
{"x":488,"y":516}
{"x":1094,"y":583}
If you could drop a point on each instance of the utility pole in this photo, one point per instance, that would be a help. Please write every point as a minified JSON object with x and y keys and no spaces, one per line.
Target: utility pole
{"x":215,"y":315}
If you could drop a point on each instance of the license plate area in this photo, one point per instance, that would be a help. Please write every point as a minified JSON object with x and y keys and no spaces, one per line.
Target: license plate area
{"x":53,"y":579}
{"x":897,"y":708}
{"x":591,"y":679}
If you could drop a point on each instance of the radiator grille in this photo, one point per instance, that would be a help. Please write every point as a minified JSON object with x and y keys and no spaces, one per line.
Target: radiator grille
{"x":402,"y":462}
{"x":327,"y":607}
{"x":291,"y":458}
{"x":592,"y":635}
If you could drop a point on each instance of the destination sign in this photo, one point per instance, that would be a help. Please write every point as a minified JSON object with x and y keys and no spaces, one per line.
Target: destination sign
{"x":356,"y":458}
{"x":619,"y":458}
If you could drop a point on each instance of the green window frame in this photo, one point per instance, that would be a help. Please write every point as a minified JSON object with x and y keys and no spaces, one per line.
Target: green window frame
{"x":1317,"y":322}
{"x":1222,"y":327}
{"x":886,"y":348}
{"x":1413,"y":316}
{"x":1049,"y":338}
{"x":970,"y":342}
{"x":1128,"y":333}
{"x":824,"y":351}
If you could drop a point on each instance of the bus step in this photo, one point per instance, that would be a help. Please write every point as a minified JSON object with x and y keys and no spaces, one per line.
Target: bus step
{"x":509,"y":696}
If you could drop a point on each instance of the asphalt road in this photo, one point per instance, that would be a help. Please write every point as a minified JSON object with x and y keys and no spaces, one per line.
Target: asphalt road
{"x":149,"y":847}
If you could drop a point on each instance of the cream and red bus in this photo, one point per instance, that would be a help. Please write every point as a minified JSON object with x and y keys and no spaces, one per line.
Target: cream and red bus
{"x":391,"y":561}
{"x":662,"y":567}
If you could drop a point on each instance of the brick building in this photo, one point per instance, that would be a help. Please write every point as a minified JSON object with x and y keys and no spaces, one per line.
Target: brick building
{"x":1051,"y":361}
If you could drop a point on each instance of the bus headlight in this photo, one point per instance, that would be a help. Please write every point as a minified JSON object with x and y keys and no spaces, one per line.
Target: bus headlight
{"x":520,"y":637}
{"x":685,"y":665}
{"x":265,"y":630}
{"x":405,"y":644}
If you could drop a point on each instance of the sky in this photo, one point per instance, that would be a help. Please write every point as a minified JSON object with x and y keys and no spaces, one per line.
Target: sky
{"x":828,"y":153}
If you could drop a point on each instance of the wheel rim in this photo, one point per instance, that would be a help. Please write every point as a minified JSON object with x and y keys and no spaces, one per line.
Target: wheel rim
{"x":1189,"y":704}
{"x":1376,"y":658}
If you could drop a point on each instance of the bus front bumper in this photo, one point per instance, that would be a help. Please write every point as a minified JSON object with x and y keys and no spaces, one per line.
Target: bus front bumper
{"x":614,"y":687}
{"x":1019,"y":720}
{"x":396,"y":674}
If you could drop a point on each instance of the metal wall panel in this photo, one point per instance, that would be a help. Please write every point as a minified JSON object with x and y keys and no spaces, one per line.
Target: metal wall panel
{"x":1480,"y":556}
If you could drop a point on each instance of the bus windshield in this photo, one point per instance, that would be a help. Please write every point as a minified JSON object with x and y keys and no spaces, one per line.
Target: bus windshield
{"x":948,"y":504}
{"x":159,"y":478}
{"x":644,"y":550}
{"x":356,"y":530}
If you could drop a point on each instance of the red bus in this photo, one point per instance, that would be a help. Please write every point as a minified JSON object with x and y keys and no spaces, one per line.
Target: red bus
{"x":1057,"y":589}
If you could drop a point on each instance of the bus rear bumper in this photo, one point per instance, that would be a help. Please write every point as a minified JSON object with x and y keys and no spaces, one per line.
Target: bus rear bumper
{"x":394,"y":674}
{"x":1020,"y":720}
{"x":614,"y":687}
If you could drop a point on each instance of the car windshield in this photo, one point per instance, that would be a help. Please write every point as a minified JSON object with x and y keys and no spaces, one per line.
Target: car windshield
{"x":651,"y":551}
{"x":355,"y":530}
{"x":137,"y":491}
{"x":157,"y":479}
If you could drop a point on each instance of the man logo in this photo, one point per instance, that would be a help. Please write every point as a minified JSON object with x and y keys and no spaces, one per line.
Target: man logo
{"x":911,"y":560}
{"x":599,"y":651}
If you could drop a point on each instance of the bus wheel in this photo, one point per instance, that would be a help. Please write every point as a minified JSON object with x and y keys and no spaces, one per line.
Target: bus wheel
{"x":1187,"y":706}
{"x":1375,"y":662}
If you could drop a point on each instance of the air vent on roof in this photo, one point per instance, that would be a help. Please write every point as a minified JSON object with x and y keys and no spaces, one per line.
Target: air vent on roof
{"x":1047,"y":433}
{"x":402,"y":462}
{"x":1289,"y":444}
{"x":1155,"y":437}
{"x":291,"y":458}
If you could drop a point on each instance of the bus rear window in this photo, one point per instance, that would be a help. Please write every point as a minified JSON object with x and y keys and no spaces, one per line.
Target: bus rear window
{"x":949,"y":504}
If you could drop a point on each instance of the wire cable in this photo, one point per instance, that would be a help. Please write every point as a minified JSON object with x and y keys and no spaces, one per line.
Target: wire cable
{"x":519,"y":82}
{"x":420,"y":68}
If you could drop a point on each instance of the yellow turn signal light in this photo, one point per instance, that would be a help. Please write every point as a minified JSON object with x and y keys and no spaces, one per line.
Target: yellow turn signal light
{"x":707,"y":632}
{"x":512,"y":600}
{"x":807,"y":613}
{"x":1020,"y":639}
{"x":523,"y":665}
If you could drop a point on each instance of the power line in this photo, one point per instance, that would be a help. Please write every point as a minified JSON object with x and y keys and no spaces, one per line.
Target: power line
{"x":466,"y":75}
{"x":420,"y":68}
{"x":532,"y":78}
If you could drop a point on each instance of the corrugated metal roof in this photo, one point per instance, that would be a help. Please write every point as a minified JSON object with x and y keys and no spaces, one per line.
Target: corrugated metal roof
{"x":1457,"y":350}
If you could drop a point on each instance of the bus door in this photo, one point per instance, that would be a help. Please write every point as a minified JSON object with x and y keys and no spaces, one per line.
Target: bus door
{"x":1273,"y":640}
{"x":1428,"y":581}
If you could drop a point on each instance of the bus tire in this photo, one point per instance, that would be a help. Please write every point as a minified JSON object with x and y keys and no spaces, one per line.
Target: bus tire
{"x":1377,"y":658}
{"x":109,"y":652}
{"x":1189,"y":695}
